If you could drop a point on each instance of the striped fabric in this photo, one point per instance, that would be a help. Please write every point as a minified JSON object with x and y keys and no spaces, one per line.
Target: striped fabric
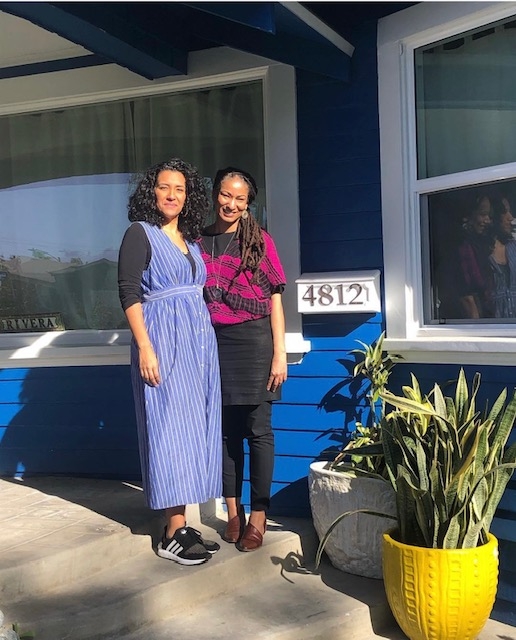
{"x":179,"y":422}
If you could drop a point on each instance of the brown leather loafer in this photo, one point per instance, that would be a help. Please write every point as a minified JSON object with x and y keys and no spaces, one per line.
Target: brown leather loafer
{"x":235,"y":527}
{"x":252,"y":539}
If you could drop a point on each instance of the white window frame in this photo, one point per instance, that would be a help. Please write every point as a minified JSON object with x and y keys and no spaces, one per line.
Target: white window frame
{"x":215,"y":67}
{"x":398,"y":36}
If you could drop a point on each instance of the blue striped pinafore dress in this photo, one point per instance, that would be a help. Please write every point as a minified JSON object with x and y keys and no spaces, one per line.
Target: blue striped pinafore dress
{"x":179,"y":421}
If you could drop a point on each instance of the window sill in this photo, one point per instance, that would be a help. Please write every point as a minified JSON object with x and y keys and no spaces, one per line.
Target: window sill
{"x":91,"y":348}
{"x":455,"y":350}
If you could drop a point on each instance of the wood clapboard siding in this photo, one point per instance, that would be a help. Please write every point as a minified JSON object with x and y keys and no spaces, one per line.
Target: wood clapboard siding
{"x":340,"y":230}
{"x":339,"y":167}
{"x":68,"y":420}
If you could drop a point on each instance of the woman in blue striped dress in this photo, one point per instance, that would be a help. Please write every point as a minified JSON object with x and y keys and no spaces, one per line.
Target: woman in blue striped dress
{"x":174,"y":362}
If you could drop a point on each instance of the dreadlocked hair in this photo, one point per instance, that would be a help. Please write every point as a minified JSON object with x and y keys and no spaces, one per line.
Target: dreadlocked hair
{"x":252,"y":245}
{"x":250,"y":236}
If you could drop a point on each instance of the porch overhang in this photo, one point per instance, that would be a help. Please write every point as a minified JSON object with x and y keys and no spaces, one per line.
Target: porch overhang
{"x":153,"y":40}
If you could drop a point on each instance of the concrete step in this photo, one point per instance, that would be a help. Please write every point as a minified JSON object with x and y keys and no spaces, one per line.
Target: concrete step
{"x":290,"y":604}
{"x":307,"y":607}
{"x":143,"y":588}
{"x":56,"y":531}
{"x":78,"y":562}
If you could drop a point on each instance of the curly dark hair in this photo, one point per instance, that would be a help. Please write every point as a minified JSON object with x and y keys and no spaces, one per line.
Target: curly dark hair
{"x":142,"y":202}
{"x":250,"y":234}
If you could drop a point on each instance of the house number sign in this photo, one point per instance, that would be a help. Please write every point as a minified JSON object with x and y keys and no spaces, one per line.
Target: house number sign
{"x":339,"y":292}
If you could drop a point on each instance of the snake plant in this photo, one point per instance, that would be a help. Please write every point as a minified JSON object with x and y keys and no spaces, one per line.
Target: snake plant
{"x":447,"y":462}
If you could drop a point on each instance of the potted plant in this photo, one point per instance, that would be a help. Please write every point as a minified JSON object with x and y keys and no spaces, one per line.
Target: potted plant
{"x":448,"y":465}
{"x":351,"y":481}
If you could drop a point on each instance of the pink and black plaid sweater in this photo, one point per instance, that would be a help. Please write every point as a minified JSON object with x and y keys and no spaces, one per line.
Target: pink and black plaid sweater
{"x":242,"y":300}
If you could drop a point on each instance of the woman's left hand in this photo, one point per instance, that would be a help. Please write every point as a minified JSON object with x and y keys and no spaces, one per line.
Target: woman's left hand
{"x":278,"y":373}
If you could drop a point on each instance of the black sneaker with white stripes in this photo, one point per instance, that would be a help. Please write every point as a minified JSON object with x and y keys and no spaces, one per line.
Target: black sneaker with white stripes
{"x":210,"y":545}
{"x":183,"y":547}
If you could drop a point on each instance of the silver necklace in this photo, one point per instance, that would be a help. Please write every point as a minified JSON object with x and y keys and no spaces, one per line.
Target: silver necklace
{"x":218,"y":291}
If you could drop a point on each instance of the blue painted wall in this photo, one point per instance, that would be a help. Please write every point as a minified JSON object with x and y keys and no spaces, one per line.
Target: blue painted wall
{"x":68,"y":420}
{"x":340,"y":229}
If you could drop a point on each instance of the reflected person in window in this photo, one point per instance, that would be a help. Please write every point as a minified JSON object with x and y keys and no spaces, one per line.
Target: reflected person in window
{"x":503,"y":259}
{"x":243,"y":292}
{"x":475,"y":277}
{"x":174,"y":358}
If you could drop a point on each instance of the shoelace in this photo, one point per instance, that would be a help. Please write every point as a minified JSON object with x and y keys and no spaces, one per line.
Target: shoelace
{"x":197,"y":534}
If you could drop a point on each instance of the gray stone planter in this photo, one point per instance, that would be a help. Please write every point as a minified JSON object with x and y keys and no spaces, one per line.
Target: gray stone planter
{"x":7,"y":632}
{"x":355,"y":545}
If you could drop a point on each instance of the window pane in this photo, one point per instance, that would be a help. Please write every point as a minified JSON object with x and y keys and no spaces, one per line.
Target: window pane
{"x":59,"y":252}
{"x":466,"y":101}
{"x":470,"y":257}
{"x":65,"y":178}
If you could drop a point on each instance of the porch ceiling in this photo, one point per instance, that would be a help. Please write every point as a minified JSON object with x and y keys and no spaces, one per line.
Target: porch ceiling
{"x":153,"y":39}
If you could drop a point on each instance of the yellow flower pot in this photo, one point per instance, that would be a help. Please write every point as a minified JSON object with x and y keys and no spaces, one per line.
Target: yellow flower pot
{"x":440,"y":594}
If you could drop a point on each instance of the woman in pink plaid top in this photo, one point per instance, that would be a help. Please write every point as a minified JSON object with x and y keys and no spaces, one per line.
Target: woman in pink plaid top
{"x":243,"y":292}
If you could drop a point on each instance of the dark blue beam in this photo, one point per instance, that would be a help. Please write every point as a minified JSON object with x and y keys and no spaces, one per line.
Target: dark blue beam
{"x":64,"y":64}
{"x":257,"y":15}
{"x":317,"y":57}
{"x":124,"y":44}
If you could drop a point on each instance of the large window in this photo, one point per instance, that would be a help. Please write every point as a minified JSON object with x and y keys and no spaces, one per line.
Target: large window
{"x":65,"y":176}
{"x":448,"y":144}
{"x":466,"y":119}
{"x":232,"y":109}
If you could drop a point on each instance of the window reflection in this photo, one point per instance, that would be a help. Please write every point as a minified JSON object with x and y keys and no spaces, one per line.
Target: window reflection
{"x":60,"y":256}
{"x":65,"y":177}
{"x":472,"y":253}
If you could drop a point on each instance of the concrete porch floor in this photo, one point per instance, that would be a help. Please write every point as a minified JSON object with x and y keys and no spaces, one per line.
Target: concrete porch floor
{"x":77,"y":561}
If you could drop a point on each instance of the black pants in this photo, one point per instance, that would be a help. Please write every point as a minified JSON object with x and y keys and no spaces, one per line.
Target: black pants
{"x":251,"y":422}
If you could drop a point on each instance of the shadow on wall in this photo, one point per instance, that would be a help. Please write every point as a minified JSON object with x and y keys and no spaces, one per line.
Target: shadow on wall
{"x":292,"y":500}
{"x":75,"y":421}
{"x":348,"y":398}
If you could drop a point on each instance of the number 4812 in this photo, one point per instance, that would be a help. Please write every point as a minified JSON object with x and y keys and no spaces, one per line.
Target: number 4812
{"x":326,"y":294}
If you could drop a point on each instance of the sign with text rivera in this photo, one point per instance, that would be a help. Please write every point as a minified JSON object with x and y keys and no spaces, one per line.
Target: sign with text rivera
{"x":31,"y":322}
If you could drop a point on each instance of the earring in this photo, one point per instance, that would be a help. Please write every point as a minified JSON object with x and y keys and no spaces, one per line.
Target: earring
{"x":245,"y":214}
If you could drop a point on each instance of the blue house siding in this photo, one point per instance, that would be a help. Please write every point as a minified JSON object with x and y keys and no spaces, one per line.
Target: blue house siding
{"x":68,"y":420}
{"x":340,"y":229}
{"x":317,"y":412}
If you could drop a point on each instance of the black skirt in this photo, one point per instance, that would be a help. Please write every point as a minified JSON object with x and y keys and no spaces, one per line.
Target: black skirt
{"x":245,"y":354}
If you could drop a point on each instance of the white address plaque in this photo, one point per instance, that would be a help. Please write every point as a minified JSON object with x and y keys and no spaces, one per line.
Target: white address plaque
{"x":339,"y":292}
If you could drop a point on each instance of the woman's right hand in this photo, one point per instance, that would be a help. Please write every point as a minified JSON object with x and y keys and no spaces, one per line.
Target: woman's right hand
{"x":149,"y":368}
